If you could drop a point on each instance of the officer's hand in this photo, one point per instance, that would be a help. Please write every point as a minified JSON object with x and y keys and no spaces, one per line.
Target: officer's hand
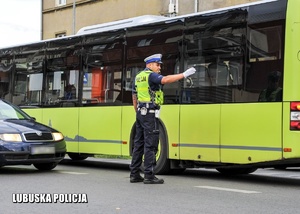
{"x":189,"y":72}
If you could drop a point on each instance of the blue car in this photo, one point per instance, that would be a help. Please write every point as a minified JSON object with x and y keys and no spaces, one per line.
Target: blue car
{"x":23,"y":141}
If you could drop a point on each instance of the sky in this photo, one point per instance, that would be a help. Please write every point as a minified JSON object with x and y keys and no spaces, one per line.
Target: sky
{"x":20,"y":22}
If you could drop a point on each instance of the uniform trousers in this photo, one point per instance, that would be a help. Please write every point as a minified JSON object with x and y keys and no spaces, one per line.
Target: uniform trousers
{"x":145,"y":143}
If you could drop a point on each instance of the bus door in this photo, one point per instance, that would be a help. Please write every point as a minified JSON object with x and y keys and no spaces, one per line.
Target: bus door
{"x":101,"y":111}
{"x":99,"y":119}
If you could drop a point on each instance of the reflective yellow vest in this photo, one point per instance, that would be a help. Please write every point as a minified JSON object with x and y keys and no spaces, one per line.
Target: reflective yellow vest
{"x":144,"y":92}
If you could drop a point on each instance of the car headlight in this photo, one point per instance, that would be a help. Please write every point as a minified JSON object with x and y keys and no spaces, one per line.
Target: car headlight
{"x":57,"y":136}
{"x":11,"y":137}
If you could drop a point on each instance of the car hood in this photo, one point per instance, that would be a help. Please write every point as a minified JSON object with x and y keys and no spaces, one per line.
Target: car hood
{"x":15,"y":125}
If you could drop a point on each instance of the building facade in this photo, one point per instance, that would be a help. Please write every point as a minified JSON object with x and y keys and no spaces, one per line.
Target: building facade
{"x":66,"y":17}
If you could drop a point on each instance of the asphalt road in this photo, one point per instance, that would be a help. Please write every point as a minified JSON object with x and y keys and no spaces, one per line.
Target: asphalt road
{"x":102,"y":186}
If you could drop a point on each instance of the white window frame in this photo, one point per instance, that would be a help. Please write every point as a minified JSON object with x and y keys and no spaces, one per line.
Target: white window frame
{"x":60,"y":2}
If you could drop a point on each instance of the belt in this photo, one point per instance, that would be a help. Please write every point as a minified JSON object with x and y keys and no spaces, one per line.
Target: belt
{"x":148,"y":105}
{"x":148,"y":110}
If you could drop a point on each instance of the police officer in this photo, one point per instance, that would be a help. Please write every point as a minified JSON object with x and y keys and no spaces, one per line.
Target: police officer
{"x":147,"y":97}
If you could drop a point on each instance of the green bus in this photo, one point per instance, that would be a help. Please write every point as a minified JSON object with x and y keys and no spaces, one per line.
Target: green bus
{"x":224,"y":117}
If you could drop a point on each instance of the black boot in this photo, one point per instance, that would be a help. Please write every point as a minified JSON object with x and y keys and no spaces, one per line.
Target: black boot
{"x":153,"y":180}
{"x":136,"y":179}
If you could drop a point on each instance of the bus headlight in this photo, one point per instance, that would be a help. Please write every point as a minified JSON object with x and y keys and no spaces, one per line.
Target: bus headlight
{"x":57,"y":136}
{"x":11,"y":137}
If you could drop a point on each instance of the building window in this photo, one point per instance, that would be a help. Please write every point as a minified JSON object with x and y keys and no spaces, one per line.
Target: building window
{"x":60,"y":2}
{"x":58,"y":35}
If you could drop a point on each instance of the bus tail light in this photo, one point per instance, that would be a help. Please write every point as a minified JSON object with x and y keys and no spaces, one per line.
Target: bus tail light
{"x":295,"y":106}
{"x":295,"y":125}
{"x":295,"y":116}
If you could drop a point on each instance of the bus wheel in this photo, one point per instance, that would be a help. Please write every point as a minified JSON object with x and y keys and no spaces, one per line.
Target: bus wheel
{"x":162,"y":162}
{"x":76,"y":156}
{"x":236,"y":171}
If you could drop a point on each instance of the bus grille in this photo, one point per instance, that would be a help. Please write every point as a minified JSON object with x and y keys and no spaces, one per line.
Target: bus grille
{"x":35,"y":136}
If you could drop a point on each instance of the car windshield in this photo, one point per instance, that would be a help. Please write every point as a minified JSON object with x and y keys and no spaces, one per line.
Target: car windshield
{"x":8,"y":111}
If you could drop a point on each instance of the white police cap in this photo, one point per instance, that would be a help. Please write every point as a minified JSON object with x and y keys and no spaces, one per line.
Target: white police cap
{"x":153,"y":58}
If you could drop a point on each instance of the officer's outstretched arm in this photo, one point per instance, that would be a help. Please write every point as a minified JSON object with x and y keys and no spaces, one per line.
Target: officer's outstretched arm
{"x":171,"y":78}
{"x":176,"y":77}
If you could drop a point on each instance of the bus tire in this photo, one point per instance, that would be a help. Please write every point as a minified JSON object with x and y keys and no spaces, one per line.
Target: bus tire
{"x":162,"y":161}
{"x":76,"y":156}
